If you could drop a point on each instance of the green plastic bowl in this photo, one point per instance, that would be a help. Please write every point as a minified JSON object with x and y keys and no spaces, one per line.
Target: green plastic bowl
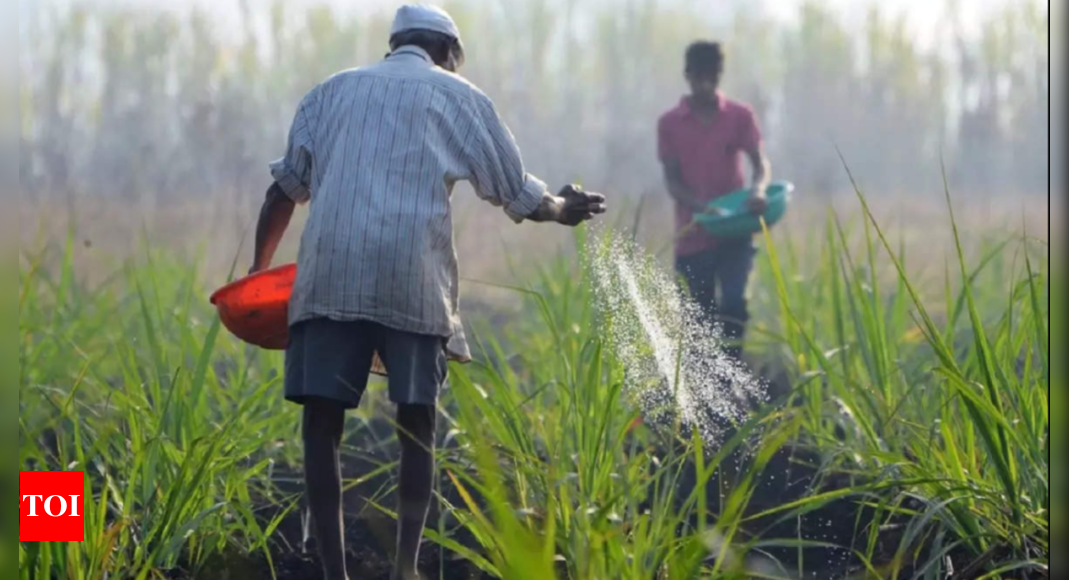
{"x":735,"y":221}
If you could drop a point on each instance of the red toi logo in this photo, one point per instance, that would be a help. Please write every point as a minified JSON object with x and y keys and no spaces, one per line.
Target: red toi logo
{"x":51,"y":506}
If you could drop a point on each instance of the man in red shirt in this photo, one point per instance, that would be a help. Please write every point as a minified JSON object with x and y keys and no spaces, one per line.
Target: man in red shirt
{"x":701,"y":143}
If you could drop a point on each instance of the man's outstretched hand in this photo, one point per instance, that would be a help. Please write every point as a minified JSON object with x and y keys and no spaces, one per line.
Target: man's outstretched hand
{"x":577,"y":206}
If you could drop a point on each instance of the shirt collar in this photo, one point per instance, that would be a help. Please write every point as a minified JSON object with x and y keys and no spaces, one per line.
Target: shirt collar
{"x":684,"y":103}
{"x":413,"y":50}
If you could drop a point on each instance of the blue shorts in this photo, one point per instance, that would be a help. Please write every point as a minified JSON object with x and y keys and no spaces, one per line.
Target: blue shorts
{"x":332,"y":360}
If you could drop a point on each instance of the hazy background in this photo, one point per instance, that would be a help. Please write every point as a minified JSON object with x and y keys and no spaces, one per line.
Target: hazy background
{"x":144,"y":115}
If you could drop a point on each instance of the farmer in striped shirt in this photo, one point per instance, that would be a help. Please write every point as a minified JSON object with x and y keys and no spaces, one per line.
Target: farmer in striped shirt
{"x":375,"y":152}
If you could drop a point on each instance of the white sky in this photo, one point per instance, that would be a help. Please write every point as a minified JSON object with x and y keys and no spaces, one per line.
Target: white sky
{"x":923,"y":15}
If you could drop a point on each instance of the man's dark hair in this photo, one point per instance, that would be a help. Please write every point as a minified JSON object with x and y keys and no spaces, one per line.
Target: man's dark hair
{"x":438,"y":45}
{"x":704,"y":57}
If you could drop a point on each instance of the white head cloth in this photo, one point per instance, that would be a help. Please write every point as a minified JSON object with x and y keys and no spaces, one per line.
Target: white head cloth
{"x":424,"y":17}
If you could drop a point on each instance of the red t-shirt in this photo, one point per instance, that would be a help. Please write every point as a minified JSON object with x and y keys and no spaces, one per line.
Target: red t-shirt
{"x":709,"y":154}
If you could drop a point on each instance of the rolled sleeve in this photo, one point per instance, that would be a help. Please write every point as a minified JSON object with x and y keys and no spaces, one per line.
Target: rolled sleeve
{"x":290,"y":182}
{"x":528,"y":200}
{"x":497,"y":171}
{"x":293,"y":170}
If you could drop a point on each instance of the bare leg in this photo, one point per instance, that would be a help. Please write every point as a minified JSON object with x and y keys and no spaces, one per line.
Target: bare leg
{"x":416,"y":434}
{"x":324,"y":422}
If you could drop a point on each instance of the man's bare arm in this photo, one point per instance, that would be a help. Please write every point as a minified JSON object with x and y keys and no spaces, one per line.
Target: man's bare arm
{"x":275,"y":214}
{"x":762,"y":173}
{"x":673,"y":180}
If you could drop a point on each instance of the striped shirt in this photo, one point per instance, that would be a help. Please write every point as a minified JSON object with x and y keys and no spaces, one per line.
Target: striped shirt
{"x":375,"y":152}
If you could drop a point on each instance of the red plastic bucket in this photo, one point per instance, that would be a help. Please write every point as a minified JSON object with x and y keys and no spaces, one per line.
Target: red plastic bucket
{"x":255,"y":308}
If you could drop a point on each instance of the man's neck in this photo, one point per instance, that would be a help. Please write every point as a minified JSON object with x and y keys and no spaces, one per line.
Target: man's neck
{"x":705,"y":108}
